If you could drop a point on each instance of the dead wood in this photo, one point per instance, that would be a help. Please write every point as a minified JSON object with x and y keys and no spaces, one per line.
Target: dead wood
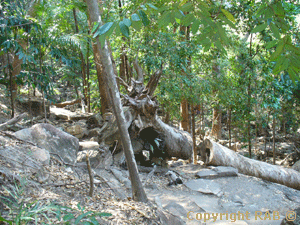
{"x":63,"y":104}
{"x":90,"y":175}
{"x":213,"y":153}
{"x":12,"y":121}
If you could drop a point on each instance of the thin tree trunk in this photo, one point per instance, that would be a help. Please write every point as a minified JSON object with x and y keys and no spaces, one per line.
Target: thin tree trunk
{"x":274,"y":152}
{"x":138,"y":192}
{"x":12,"y":103}
{"x":184,"y":106}
{"x":83,"y":66}
{"x":229,"y":126}
{"x":88,"y":76}
{"x":249,"y":124}
{"x":194,"y":135}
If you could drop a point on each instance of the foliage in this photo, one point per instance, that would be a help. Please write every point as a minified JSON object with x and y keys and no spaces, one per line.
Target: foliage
{"x":21,"y":211}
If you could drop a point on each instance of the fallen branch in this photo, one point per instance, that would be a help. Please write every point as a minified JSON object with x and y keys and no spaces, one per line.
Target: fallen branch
{"x":12,"y":121}
{"x":63,"y":104}
{"x":90,"y":175}
{"x":213,"y":153}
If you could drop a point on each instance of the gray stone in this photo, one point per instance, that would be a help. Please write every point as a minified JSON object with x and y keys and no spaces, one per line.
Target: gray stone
{"x":296,"y":166}
{"x":89,"y":145}
{"x":204,"y":186}
{"x":176,"y":209}
{"x":52,"y":139}
{"x":294,"y":217}
{"x":95,"y":120}
{"x":27,"y":159}
{"x":226,"y":171}
{"x":65,"y":114}
{"x":94,"y":132}
{"x":206,"y":173}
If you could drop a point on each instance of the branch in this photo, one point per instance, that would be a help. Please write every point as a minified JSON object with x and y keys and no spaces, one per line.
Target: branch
{"x":12,"y":121}
{"x":139,"y":70}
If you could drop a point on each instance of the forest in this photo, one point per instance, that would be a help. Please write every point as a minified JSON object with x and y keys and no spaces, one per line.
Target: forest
{"x":149,"y":112}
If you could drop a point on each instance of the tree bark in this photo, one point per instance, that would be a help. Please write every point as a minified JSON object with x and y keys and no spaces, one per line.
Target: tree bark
{"x":217,"y":123}
{"x":100,"y":73}
{"x":83,"y":66}
{"x":274,"y":152}
{"x":138,"y":192}
{"x":194,"y":136}
{"x":215,"y":154}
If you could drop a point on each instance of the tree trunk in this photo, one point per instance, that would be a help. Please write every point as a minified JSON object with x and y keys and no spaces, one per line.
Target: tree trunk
{"x":138,"y":192}
{"x":215,"y":154}
{"x":100,"y":73}
{"x":229,"y":126}
{"x":184,"y":110}
{"x":274,"y":152}
{"x":184,"y":106}
{"x":217,"y":123}
{"x":194,"y":136}
{"x":83,"y":66}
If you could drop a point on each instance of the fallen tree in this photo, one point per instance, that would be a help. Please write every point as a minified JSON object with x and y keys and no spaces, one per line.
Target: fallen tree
{"x":213,"y":153}
{"x":144,"y":125}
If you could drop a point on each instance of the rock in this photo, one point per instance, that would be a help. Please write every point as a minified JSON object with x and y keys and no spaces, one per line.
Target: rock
{"x":52,"y":139}
{"x":293,"y":216}
{"x":206,"y":173}
{"x":89,"y":145}
{"x":176,"y":209}
{"x":296,"y":166}
{"x":97,"y":159}
{"x":75,"y":130}
{"x":121,"y":178}
{"x":33,"y":105}
{"x":26,"y":158}
{"x":65,"y":114}
{"x":204,"y":186}
{"x":226,"y":171}
{"x":95,"y":120}
{"x":94,"y":132}
{"x":158,"y":202}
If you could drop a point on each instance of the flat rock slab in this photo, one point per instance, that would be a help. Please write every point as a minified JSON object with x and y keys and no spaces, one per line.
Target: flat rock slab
{"x":215,"y":172}
{"x":204,"y":186}
{"x":68,"y":115}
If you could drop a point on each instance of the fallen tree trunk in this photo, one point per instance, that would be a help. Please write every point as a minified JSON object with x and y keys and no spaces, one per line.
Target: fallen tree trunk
{"x":213,"y":153}
{"x":63,"y":104}
{"x":12,"y":121}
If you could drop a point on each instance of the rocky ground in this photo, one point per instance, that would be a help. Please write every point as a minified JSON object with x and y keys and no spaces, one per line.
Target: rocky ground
{"x":55,"y":180}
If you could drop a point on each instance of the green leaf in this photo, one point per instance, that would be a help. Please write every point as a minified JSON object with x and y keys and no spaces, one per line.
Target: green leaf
{"x":80,"y":217}
{"x":275,"y":30}
{"x":124,"y":29}
{"x":4,"y":220}
{"x":68,"y":217}
{"x":187,"y":7}
{"x":259,"y":28}
{"x":271,"y":44}
{"x":127,"y":22}
{"x":188,"y":19}
{"x":195,"y":26}
{"x":228,"y":15}
{"x":137,"y":25}
{"x":152,"y":6}
{"x":95,"y":27}
{"x":165,"y":19}
{"x":144,"y":17}
{"x":278,"y":51}
{"x":135,"y":17}
{"x":102,"y":40}
{"x":103,"y":29}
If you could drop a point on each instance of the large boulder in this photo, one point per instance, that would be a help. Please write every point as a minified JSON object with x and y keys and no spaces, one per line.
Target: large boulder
{"x":52,"y":139}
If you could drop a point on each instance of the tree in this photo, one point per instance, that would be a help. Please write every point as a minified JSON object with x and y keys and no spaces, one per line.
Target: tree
{"x":138,"y":192}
